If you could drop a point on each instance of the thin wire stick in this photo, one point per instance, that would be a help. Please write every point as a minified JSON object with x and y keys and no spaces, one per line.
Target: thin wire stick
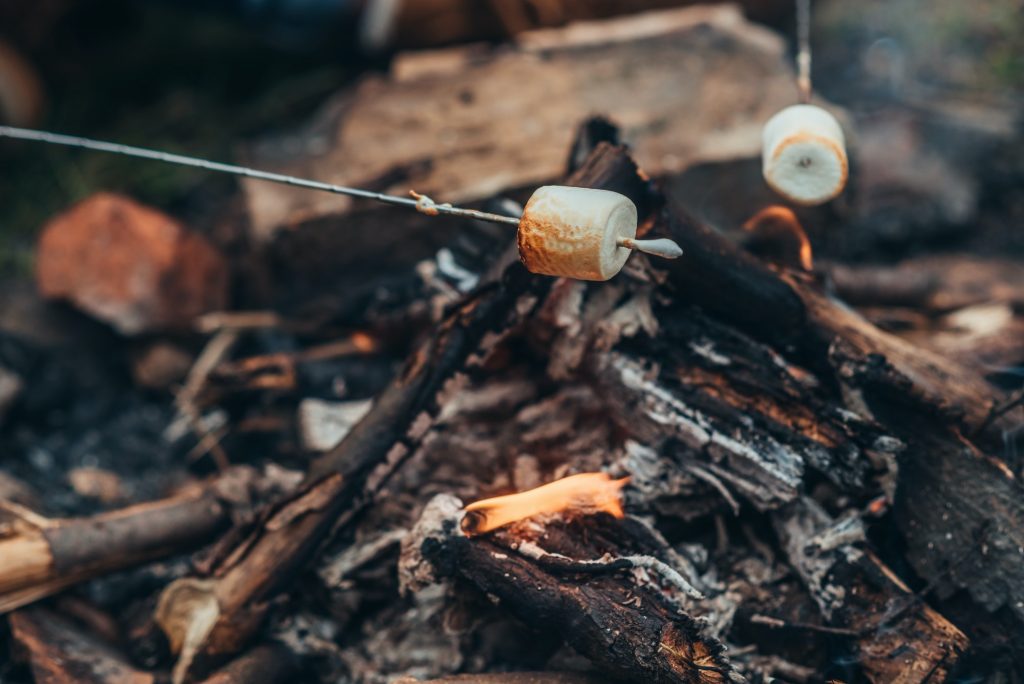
{"x":661,"y":247}
{"x":803,"y":57}
{"x":420,"y":203}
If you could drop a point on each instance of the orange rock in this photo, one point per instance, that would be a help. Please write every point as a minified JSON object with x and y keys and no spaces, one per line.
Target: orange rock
{"x":131,"y":266}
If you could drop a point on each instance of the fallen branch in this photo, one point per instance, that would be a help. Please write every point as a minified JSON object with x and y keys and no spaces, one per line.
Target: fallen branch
{"x":40,"y":556}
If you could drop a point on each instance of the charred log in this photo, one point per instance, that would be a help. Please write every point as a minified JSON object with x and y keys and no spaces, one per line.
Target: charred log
{"x":634,"y":629}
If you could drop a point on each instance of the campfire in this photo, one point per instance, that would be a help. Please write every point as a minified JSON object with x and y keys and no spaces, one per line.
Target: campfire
{"x":618,"y":352}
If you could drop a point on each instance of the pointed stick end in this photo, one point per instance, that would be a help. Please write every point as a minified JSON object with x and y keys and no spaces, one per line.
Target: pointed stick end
{"x":661,"y":247}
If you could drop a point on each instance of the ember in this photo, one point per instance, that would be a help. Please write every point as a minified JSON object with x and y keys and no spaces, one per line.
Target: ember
{"x":586,"y":493}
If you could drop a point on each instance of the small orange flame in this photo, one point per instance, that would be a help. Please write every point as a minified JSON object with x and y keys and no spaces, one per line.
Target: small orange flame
{"x":780,"y":225}
{"x":363,"y":342}
{"x":585,"y":493}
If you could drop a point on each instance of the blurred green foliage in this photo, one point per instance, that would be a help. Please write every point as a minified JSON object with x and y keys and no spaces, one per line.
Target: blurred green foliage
{"x":963,"y":49}
{"x":154,"y":75}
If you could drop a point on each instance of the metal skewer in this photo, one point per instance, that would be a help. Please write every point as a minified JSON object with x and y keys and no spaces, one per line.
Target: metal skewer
{"x":803,"y":56}
{"x":420,"y":203}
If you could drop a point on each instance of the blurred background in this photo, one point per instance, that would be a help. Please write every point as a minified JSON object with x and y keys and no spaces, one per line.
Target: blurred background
{"x":934,"y":88}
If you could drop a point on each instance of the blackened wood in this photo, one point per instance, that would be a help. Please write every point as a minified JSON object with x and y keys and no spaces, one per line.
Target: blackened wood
{"x":898,"y":637}
{"x":631,"y":629}
{"x":738,"y":410}
{"x":729,"y":283}
{"x":790,"y":312}
{"x":962,"y":515}
{"x":598,"y":616}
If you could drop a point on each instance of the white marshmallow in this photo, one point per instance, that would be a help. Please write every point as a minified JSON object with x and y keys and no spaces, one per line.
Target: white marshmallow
{"x":574,"y":232}
{"x":804,"y":155}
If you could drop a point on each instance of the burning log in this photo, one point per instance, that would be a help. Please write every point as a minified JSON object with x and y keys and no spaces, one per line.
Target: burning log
{"x":40,"y":556}
{"x":631,"y":627}
{"x":787,"y":311}
{"x":210,"y":618}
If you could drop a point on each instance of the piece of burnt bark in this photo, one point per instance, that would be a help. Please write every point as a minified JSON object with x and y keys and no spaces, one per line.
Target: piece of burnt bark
{"x":962,"y":515}
{"x":739,"y":412}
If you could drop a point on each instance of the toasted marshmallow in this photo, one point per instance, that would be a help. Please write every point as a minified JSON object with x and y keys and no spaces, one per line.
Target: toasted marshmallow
{"x":576,"y":232}
{"x":804,"y":155}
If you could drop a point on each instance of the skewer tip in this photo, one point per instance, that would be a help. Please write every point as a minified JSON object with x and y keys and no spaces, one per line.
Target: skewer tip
{"x":661,"y":247}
